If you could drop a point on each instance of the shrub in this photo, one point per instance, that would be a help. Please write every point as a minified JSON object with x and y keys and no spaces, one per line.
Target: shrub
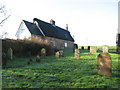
{"x":4,"y":59}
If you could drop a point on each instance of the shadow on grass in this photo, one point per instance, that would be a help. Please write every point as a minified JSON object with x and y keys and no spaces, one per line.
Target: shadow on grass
{"x":115,"y":74}
{"x":87,"y":51}
{"x":98,"y":51}
{"x":84,"y":51}
{"x":113,"y":51}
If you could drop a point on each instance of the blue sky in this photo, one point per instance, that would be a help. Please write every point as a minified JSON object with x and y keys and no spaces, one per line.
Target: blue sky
{"x":91,"y":22}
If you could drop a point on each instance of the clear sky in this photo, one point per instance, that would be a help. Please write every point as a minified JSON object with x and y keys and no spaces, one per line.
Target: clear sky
{"x":91,"y":22}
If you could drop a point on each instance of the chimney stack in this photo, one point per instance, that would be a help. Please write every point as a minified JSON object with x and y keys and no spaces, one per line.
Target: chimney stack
{"x":66,"y":26}
{"x":52,"y":22}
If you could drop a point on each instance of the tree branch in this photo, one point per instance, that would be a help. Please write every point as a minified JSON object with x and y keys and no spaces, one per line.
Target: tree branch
{"x":4,"y":19}
{"x":2,"y":7}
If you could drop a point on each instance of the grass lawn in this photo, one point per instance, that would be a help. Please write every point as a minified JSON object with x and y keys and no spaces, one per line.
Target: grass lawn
{"x":65,"y":72}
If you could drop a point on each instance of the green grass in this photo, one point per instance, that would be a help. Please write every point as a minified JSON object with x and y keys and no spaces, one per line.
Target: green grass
{"x":65,"y":72}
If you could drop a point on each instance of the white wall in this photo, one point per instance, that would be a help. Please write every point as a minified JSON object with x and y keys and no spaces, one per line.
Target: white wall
{"x":23,"y":32}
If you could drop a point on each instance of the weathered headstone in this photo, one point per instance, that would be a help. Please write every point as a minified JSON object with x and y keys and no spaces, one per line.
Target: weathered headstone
{"x":93,"y":49}
{"x":10,"y":53}
{"x":82,"y":48}
{"x":77,"y":53}
{"x":57,"y":54}
{"x":88,"y":47}
{"x":43,"y":52}
{"x":61,"y":53}
{"x":38,"y":58}
{"x":104,"y":64}
{"x":105,"y":49}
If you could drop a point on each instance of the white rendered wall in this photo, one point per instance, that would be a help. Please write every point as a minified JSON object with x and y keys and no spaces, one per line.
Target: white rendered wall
{"x":23,"y":32}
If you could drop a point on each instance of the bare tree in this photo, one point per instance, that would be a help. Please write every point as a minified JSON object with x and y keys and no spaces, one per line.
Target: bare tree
{"x":3,"y":14}
{"x":3,"y":17}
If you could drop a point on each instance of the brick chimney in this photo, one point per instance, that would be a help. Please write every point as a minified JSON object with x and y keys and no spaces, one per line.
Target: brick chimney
{"x":66,"y":26}
{"x":52,"y":22}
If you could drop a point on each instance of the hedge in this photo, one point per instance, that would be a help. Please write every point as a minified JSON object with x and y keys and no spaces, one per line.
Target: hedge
{"x":26,"y":47}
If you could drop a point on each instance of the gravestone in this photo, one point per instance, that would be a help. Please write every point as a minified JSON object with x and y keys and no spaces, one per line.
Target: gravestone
{"x":93,"y":49}
{"x":61,"y":53}
{"x":10,"y":53}
{"x":43,"y":52}
{"x":82,"y":48}
{"x":75,"y":47}
{"x":38,"y":58}
{"x":77,"y":53}
{"x":105,"y":49}
{"x":57,"y":54}
{"x":88,"y":47}
{"x":104,"y":64}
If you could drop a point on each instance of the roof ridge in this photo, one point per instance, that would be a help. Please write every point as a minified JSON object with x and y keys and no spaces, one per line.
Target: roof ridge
{"x":51,"y":24}
{"x":27,"y":21}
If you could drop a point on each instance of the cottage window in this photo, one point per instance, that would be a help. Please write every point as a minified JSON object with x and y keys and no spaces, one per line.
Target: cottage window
{"x":65,"y":44}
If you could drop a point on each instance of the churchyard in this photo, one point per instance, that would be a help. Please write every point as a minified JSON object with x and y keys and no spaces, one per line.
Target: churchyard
{"x":65,"y":71}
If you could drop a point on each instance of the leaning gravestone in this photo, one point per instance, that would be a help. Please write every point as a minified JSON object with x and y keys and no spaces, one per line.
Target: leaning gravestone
{"x":57,"y":54}
{"x":105,"y":49}
{"x":10,"y":53}
{"x":93,"y":49}
{"x":43,"y":52}
{"x":104,"y":64}
{"x":77,"y":53}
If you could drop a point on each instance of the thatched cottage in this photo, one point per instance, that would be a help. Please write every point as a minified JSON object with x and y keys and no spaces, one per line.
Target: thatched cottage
{"x":46,"y":32}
